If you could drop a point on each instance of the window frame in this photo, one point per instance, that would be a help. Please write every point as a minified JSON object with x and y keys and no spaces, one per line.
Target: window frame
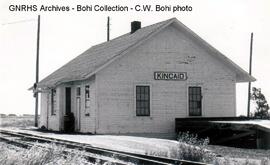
{"x":78,"y":91}
{"x":188,"y":100}
{"x":149,"y":100}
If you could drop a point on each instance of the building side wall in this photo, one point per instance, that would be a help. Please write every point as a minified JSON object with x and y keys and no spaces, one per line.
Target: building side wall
{"x":170,"y":50}
{"x":53,"y":120}
{"x":43,"y":110}
{"x":84,"y":116}
{"x":83,"y":122}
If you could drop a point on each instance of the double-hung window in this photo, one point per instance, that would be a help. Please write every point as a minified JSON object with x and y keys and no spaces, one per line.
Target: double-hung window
{"x":143,"y":100}
{"x":195,"y":101}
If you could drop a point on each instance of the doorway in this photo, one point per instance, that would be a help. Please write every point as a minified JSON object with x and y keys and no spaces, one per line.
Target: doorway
{"x":69,"y":117}
{"x":68,"y":100}
{"x":78,"y":108}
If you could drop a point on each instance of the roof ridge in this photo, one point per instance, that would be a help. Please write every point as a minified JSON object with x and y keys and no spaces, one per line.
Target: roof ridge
{"x":113,"y":47}
{"x":215,"y":50}
{"x":162,"y":24}
{"x":132,"y":33}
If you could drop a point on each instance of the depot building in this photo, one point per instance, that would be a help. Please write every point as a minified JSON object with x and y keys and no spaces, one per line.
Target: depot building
{"x":140,"y":82}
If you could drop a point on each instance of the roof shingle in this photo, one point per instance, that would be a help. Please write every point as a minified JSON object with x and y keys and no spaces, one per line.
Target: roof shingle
{"x":96,"y":56}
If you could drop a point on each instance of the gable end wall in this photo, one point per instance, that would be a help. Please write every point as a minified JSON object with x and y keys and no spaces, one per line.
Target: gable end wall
{"x":170,"y":50}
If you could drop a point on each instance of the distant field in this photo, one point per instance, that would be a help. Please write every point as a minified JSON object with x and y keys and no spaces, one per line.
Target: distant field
{"x":18,"y":122}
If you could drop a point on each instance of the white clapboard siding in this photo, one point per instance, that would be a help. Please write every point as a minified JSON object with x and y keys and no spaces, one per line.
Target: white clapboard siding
{"x":170,"y":50}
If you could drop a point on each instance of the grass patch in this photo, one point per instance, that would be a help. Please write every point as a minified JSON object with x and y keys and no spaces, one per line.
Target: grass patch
{"x":50,"y":155}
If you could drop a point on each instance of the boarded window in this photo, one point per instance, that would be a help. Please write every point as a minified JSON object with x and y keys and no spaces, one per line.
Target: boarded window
{"x":53,"y":98}
{"x":195,"y":101}
{"x":143,"y":100}
{"x":87,"y":100}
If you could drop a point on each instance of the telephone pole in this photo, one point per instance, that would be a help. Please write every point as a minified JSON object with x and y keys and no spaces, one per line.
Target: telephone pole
{"x":37,"y":73}
{"x":108,"y":29}
{"x":250,"y":71}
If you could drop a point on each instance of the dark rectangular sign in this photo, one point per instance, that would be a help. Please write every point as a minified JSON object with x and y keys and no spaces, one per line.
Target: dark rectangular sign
{"x":178,"y":76}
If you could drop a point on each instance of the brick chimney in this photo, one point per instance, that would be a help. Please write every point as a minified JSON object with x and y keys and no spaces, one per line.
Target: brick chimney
{"x":135,"y":25}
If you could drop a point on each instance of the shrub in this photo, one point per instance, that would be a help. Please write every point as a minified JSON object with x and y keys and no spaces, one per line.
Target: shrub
{"x":194,"y":149}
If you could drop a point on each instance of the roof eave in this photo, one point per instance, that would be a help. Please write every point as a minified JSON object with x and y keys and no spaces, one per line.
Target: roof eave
{"x":242,"y":75}
{"x":245,"y":78}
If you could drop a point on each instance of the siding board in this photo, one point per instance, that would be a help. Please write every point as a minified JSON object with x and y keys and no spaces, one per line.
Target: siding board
{"x":167,"y":51}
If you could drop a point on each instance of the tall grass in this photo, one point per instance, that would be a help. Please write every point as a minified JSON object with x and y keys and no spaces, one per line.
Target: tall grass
{"x":194,"y":149}
{"x":51,"y":155}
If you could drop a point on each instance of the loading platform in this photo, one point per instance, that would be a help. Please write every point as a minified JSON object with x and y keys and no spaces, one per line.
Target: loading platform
{"x":230,"y":131}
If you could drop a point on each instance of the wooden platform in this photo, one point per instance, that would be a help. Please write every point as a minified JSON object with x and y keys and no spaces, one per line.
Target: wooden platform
{"x":219,"y":133}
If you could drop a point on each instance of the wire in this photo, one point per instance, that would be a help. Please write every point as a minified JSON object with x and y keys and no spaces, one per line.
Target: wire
{"x":21,"y":21}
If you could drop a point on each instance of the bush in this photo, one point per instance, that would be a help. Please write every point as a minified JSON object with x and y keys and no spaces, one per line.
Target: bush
{"x":194,"y":149}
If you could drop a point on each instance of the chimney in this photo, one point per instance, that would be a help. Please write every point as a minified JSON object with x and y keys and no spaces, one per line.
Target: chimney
{"x":135,"y":25}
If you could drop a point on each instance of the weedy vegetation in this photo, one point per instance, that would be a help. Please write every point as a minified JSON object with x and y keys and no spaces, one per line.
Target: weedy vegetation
{"x":194,"y":149}
{"x":50,"y":154}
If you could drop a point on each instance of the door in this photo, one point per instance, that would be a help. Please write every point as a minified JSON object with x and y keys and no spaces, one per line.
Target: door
{"x":78,"y":108}
{"x":68,"y":100}
{"x":195,"y":101}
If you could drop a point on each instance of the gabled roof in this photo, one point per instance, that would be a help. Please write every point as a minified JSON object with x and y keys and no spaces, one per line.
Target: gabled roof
{"x":99,"y":56}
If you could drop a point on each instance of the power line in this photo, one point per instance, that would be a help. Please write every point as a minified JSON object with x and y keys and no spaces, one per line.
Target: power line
{"x":21,"y":21}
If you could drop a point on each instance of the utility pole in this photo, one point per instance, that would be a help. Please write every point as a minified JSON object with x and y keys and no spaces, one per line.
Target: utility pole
{"x":108,"y":29}
{"x":250,"y":70}
{"x":37,"y":73}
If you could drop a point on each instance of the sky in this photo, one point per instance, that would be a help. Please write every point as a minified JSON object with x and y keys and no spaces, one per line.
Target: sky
{"x":225,"y":24}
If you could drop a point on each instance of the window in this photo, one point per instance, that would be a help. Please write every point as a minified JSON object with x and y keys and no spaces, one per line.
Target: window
{"x":143,"y":100}
{"x":87,"y":96}
{"x":195,"y":101}
{"x":87,"y":100}
{"x":53,"y":98}
{"x":78,"y":91}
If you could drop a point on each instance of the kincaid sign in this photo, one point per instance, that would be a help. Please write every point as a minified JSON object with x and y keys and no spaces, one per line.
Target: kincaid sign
{"x":170,"y":76}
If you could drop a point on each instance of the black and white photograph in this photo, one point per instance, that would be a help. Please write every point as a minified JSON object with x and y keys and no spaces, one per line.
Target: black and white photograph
{"x":181,"y":82}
